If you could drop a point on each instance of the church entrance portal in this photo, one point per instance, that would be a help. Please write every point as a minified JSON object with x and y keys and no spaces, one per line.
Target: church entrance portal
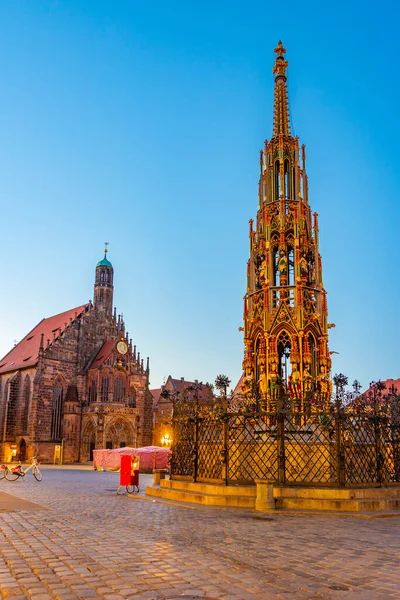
{"x":92,"y":446}
{"x":22,"y":450}
{"x":88,"y":440}
{"x":119,"y":434}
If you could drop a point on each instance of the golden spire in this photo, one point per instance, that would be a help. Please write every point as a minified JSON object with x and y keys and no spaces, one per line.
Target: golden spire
{"x":281,"y":104}
{"x":105,"y":249}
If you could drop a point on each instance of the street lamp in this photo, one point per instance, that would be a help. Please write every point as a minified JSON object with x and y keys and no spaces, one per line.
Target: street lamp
{"x":166,"y":440}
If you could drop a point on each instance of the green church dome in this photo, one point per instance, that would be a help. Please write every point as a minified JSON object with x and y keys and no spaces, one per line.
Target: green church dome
{"x":104,"y":263}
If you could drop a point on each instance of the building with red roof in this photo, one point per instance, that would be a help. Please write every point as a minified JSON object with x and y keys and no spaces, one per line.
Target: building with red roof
{"x":163,"y":404}
{"x":75,"y":383}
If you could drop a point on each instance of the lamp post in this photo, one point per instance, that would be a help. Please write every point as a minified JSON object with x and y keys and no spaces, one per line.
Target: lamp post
{"x":166,"y":440}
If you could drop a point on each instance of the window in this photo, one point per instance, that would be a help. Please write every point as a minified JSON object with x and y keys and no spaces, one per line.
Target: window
{"x":284,"y":349}
{"x":92,"y":391}
{"x":119,"y":390}
{"x":294,"y":184}
{"x":313,"y":351}
{"x":104,"y":388}
{"x":57,"y":411}
{"x":291,"y":265}
{"x":132,"y":398}
{"x":286,"y":180}
{"x":12,"y":390}
{"x":277,"y":180}
{"x":276,"y":267}
{"x":26,"y":401}
{"x":103,"y":277}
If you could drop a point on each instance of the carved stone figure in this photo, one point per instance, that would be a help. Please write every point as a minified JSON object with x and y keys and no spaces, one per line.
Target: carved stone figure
{"x":282,"y":264}
{"x":308,"y":379}
{"x":303,"y":268}
{"x":262,"y":382}
{"x":295,"y":382}
{"x":323,"y":382}
{"x":248,"y":378}
{"x":273,"y":377}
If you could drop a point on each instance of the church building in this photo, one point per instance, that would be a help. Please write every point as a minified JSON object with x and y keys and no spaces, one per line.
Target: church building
{"x":75,"y":383}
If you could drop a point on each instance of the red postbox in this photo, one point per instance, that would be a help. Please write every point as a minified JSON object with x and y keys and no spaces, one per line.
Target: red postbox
{"x":129,"y":473}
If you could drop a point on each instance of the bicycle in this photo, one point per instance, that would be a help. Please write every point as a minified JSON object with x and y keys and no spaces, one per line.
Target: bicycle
{"x":14,"y":473}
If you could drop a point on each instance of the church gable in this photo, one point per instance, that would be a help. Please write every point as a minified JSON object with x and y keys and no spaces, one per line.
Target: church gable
{"x":104,"y":354}
{"x":283,"y":316}
{"x":26,"y":353}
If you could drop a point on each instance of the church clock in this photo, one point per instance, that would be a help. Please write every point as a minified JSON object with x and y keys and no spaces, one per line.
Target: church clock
{"x":122,"y":347}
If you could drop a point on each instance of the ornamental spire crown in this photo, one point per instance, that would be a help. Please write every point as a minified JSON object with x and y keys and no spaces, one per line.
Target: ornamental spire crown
{"x":281,"y":102}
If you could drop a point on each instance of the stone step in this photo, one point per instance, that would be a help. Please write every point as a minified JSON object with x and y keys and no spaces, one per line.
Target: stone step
{"x":210,"y":488}
{"x":342,"y":505}
{"x":337,"y":493}
{"x":197,"y":497}
{"x":346,"y":500}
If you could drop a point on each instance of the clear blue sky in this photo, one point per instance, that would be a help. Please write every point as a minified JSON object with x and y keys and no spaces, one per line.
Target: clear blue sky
{"x":140,"y":124}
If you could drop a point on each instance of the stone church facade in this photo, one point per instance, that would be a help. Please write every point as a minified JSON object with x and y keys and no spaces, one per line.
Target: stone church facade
{"x":76,"y":383}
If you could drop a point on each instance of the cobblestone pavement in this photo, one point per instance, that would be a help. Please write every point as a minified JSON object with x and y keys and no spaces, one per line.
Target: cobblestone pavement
{"x":87,"y":542}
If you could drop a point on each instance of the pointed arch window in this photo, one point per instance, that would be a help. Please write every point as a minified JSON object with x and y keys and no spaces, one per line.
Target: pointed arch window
{"x":290,"y":265}
{"x":294,"y":184}
{"x":93,"y":391}
{"x":277,"y":177}
{"x":132,"y":398}
{"x":119,"y":390}
{"x":286,"y":180}
{"x":26,"y":405}
{"x":313,"y":350}
{"x":57,"y":411}
{"x":257,"y":346}
{"x":284,"y":350}
{"x":104,"y":388}
{"x":13,"y":389}
{"x":276,"y":266}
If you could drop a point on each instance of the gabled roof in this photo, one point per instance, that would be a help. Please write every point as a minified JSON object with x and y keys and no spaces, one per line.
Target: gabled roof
{"x":181,"y":385}
{"x":103,"y":353}
{"x":392,"y":383}
{"x":237,"y":390}
{"x":156,"y":395}
{"x":26,"y":353}
{"x":389,"y":384}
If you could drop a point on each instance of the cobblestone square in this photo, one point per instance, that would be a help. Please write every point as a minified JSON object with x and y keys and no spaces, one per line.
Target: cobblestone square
{"x":82,"y":540}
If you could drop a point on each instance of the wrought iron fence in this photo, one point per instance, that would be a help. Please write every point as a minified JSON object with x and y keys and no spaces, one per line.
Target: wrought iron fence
{"x":344,"y":442}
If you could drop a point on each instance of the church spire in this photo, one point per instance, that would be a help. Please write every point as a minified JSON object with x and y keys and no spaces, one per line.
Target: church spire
{"x":285,"y":308}
{"x":281,"y":103}
{"x":103,"y":286}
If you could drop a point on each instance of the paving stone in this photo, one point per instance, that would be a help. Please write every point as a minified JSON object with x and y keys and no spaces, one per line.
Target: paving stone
{"x":89,"y":543}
